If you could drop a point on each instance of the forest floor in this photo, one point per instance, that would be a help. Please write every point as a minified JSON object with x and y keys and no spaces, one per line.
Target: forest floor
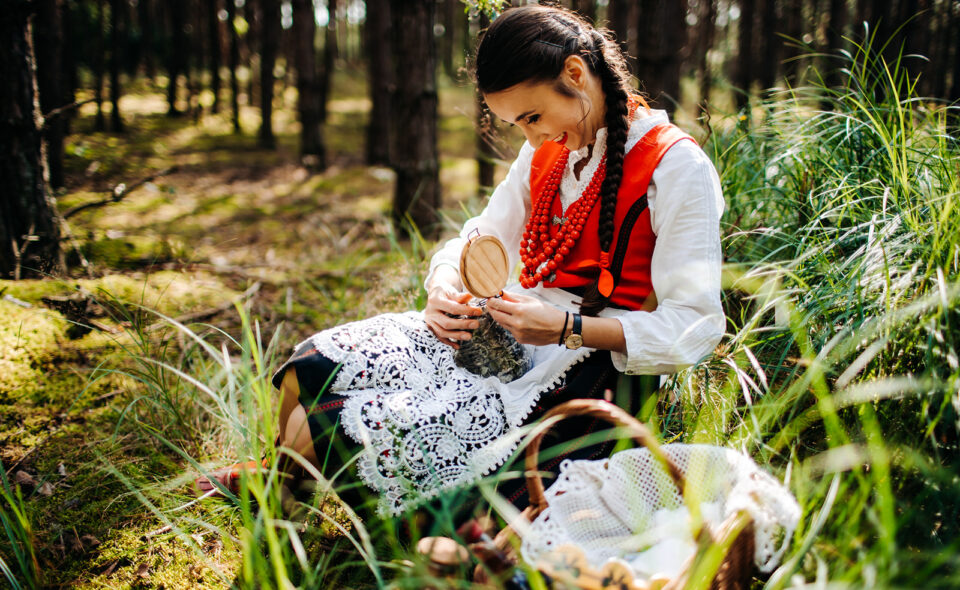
{"x":231,"y":224}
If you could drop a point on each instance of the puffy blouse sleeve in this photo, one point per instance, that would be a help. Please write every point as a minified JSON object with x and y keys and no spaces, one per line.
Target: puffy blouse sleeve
{"x":503,"y":217}
{"x":686,"y":202}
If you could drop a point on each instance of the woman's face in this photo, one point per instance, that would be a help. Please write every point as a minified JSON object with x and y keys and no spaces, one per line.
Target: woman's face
{"x":542,"y":113}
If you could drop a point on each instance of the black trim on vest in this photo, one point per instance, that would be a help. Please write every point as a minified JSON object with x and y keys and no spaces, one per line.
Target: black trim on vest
{"x":623,"y":238}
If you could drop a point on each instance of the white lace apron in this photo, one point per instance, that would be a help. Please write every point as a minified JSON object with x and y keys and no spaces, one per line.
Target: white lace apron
{"x":426,"y":424}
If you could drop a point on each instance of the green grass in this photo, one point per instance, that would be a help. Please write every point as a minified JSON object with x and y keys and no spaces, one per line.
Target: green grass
{"x":839,"y":372}
{"x":840,"y":367}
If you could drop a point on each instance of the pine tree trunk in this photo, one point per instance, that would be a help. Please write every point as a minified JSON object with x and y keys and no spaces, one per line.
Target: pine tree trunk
{"x":662,"y":29}
{"x":251,"y":14}
{"x":706,"y":28}
{"x":864,"y":15}
{"x":116,"y":122}
{"x":330,"y":52}
{"x":794,"y":28}
{"x":70,"y":77}
{"x":448,"y":41}
{"x":414,"y":157}
{"x":486,"y":131}
{"x":270,"y":42}
{"x":195,"y":60}
{"x":745,"y":55}
{"x":213,"y":40}
{"x":29,"y":232}
{"x":47,"y":34}
{"x":312,"y":147}
{"x":621,"y":17}
{"x":99,"y":123}
{"x":147,"y":17}
{"x":835,"y":32}
{"x":177,"y":58}
{"x":769,"y":58}
{"x":234,"y":64}
{"x":380,"y":77}
{"x":917,"y":34}
{"x":953,"y":95}
{"x":940,"y":51}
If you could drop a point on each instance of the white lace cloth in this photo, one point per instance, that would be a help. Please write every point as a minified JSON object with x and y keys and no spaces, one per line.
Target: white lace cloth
{"x":627,"y":508}
{"x":425,"y":423}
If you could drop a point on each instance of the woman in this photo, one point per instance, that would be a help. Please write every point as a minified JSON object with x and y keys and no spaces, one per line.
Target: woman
{"x":613,"y":215}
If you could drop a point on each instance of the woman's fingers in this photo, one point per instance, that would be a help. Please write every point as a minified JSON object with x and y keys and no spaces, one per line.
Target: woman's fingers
{"x":442,"y":317}
{"x":457,"y":306}
{"x":504,"y":305}
{"x":528,"y":319}
{"x":451,"y":324}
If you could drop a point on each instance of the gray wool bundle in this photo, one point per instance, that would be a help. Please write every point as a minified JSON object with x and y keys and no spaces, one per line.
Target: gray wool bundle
{"x":493,"y":351}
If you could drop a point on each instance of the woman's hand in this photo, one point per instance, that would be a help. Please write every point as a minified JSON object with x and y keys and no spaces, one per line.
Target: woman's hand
{"x":530,"y":320}
{"x":443,"y":300}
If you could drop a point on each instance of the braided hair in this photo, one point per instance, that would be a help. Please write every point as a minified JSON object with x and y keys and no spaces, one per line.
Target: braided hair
{"x":531,"y":44}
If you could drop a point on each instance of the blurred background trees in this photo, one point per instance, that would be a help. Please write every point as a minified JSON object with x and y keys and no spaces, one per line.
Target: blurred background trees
{"x":689,"y":56}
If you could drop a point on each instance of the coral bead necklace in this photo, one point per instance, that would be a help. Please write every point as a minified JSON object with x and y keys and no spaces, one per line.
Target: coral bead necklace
{"x":540,"y":254}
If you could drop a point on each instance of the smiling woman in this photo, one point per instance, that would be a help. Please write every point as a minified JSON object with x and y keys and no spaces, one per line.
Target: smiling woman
{"x":612,"y":214}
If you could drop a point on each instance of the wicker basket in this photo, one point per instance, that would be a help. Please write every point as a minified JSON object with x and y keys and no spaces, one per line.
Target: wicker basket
{"x":731,"y":543}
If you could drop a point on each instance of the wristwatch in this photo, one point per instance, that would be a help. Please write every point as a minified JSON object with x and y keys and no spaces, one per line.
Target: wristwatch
{"x":575,"y":339}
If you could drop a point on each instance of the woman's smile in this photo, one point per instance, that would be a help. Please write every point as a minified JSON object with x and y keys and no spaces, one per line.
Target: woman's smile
{"x":543,"y":113}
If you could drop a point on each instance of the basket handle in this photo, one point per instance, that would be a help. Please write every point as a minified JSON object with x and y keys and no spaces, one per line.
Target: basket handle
{"x":602,"y":410}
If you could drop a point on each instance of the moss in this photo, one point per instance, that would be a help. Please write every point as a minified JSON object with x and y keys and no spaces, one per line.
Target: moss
{"x":90,"y":499}
{"x":34,"y":355}
{"x":131,"y":252}
{"x":30,"y":340}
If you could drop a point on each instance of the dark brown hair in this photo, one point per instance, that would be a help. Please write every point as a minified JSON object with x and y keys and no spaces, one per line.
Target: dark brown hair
{"x":531,"y":44}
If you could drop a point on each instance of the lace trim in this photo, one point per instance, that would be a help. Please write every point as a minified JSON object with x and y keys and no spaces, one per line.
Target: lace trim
{"x":427,"y":425}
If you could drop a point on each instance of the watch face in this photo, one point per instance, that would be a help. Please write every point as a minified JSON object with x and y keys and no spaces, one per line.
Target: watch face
{"x":574,"y":341}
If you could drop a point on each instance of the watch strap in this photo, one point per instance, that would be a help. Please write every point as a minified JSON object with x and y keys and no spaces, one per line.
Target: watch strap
{"x":563,"y":332}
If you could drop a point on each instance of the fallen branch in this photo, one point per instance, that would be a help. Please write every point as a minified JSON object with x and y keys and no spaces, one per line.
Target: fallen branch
{"x":119,"y":192}
{"x":60,"y":110}
{"x":15,"y":301}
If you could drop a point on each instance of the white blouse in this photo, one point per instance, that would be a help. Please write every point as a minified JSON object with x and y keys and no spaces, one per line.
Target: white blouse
{"x":685,"y":202}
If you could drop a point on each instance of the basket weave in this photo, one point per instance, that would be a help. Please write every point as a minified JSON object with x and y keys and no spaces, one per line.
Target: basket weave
{"x":733,"y":538}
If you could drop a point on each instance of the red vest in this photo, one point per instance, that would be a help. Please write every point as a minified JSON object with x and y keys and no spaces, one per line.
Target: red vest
{"x":633,"y":286}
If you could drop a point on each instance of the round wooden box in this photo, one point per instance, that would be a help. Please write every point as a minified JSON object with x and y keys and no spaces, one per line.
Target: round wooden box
{"x":484,"y":266}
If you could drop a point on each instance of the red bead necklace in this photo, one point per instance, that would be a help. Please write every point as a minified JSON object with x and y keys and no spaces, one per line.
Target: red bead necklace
{"x":542,"y":255}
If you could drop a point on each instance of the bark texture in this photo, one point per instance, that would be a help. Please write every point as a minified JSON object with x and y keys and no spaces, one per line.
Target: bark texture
{"x":177,"y":59}
{"x":269,"y":44}
{"x":234,"y":64}
{"x":745,"y":54}
{"x":116,"y":121}
{"x":29,"y":233}
{"x":213,"y":40}
{"x":380,"y":76}
{"x":309,"y":96}
{"x":621,"y":16}
{"x":47,"y":33}
{"x":330,"y":52}
{"x":662,"y":32}
{"x":417,"y":191}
